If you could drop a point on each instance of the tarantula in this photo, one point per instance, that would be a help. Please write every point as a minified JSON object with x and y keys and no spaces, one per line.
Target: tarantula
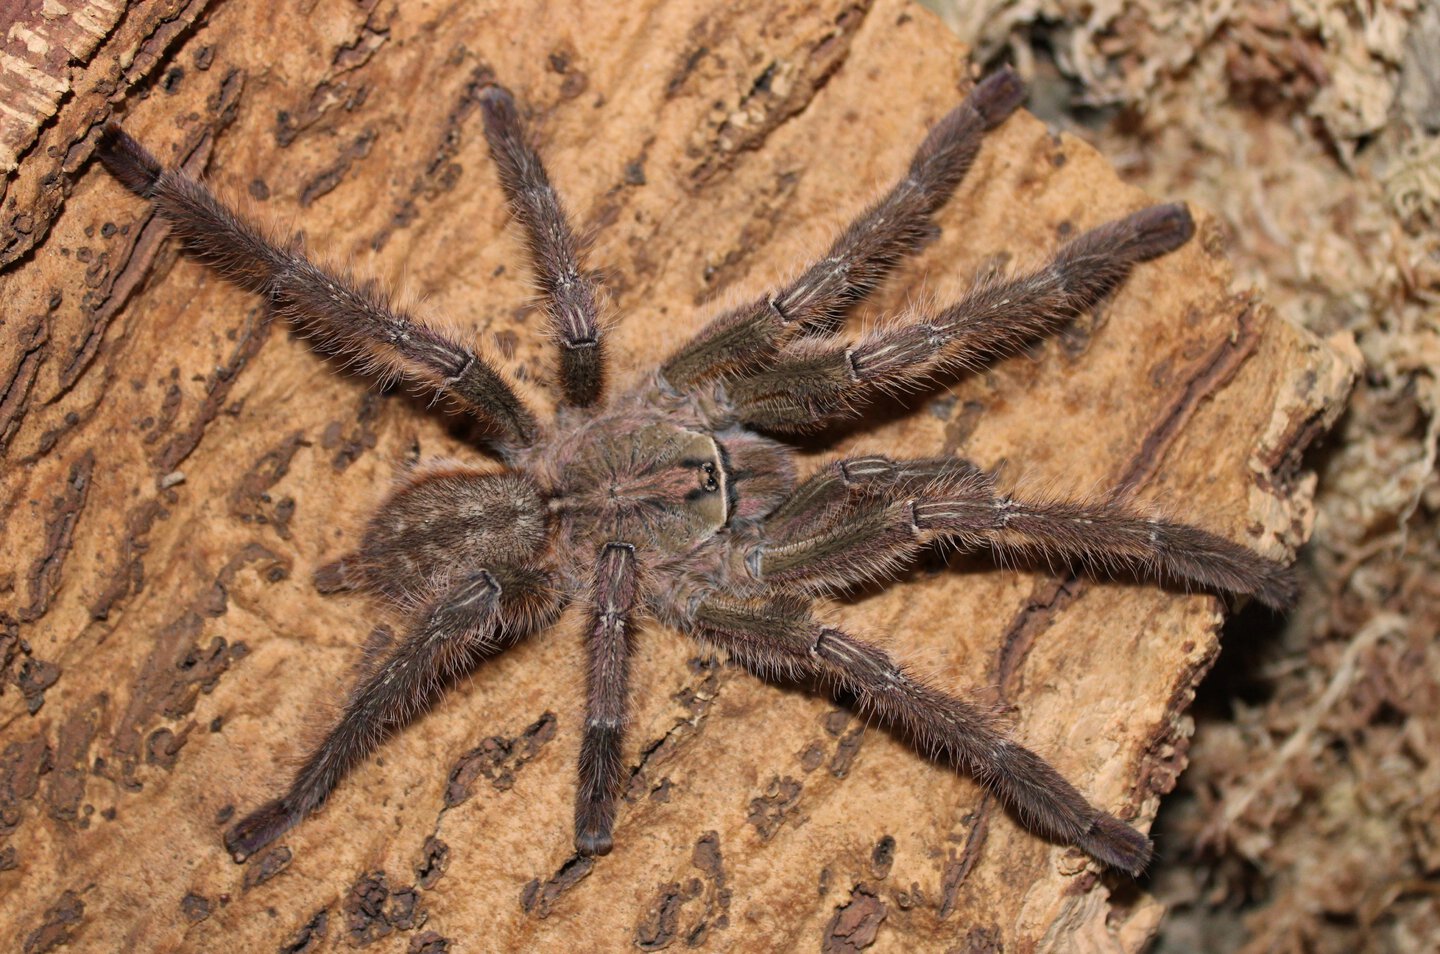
{"x":677,"y":497}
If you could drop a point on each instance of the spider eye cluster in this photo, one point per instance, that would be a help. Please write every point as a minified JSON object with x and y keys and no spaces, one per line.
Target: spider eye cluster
{"x":710,"y":480}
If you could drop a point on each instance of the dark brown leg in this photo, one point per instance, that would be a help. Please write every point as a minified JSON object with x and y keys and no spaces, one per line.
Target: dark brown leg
{"x":870,"y":531}
{"x":906,"y":505}
{"x":345,"y":317}
{"x":813,"y":382}
{"x":838,"y":487}
{"x":1103,"y":535}
{"x":868,"y":250}
{"x":779,"y":637}
{"x":609,"y":647}
{"x":475,"y":618}
{"x":569,"y":293}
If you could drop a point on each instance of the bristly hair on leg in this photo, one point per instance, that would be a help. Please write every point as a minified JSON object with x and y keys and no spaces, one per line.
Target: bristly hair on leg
{"x":747,"y":338}
{"x":568,"y":292}
{"x":813,"y":381}
{"x":128,"y":161}
{"x":350,"y":318}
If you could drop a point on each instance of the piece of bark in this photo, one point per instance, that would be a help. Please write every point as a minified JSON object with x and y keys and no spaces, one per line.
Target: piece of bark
{"x":176,"y":469}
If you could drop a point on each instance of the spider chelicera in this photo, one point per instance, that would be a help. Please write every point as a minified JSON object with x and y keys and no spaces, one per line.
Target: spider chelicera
{"x":676,"y":496}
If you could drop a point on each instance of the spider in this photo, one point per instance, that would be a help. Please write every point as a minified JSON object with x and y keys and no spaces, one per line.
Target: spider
{"x":676,"y":497}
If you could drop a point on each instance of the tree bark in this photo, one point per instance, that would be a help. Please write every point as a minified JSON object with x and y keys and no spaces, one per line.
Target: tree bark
{"x":176,"y":468}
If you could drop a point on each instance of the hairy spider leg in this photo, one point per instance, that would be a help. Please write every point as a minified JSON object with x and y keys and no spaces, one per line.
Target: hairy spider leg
{"x":895,"y":508}
{"x":836,"y":488}
{"x":476,"y":617}
{"x":353,"y":319}
{"x":861,"y":257}
{"x":568,"y":293}
{"x":615,"y":591}
{"x":778,"y":637}
{"x":813,"y":382}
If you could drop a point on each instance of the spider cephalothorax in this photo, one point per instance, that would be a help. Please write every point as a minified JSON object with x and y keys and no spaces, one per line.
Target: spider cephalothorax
{"x":674,"y":497}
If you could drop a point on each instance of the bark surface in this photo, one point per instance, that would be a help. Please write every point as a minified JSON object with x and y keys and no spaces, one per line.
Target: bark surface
{"x":176,"y":468}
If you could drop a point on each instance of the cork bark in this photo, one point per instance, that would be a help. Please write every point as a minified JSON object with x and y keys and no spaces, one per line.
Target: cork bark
{"x":176,"y":468}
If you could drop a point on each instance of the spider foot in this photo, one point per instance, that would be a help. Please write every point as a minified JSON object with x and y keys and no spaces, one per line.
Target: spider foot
{"x":258,"y":829}
{"x":593,"y":829}
{"x":337,"y":577}
{"x":499,"y":101}
{"x":997,"y":96}
{"x":1158,"y":229}
{"x":128,"y":161}
{"x":1278,"y":588}
{"x":1116,"y":844}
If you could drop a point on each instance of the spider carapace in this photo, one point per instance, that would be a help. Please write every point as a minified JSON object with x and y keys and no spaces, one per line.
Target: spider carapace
{"x":677,"y":498}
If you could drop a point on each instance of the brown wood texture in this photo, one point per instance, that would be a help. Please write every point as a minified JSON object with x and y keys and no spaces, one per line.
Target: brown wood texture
{"x":175,"y":469}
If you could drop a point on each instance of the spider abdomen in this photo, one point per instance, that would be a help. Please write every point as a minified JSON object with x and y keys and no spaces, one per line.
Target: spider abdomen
{"x":447,"y":520}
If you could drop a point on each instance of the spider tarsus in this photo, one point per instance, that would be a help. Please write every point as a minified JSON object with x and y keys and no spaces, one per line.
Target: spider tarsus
{"x":258,"y":829}
{"x":593,"y":835}
{"x":997,"y":96}
{"x":333,"y":578}
{"x":1277,"y":587}
{"x":1115,"y":843}
{"x":128,"y":161}
{"x":496,"y":100}
{"x":600,"y":769}
{"x":1159,"y":229}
